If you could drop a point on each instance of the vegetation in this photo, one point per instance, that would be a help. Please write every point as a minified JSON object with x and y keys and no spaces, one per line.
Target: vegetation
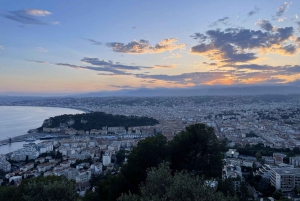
{"x":97,"y":120}
{"x":51,"y":188}
{"x":196,"y":151}
{"x":161,"y":185}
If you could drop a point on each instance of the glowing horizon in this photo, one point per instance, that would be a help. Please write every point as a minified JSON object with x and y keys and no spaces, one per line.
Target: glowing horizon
{"x":75,"y":47}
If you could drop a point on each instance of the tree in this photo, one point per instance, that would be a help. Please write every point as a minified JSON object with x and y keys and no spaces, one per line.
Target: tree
{"x":48,"y":189}
{"x":120,"y":156}
{"x":160,"y":185}
{"x":258,"y":155}
{"x":26,"y":159}
{"x":277,"y":195}
{"x":7,"y":193}
{"x":197,"y":149}
{"x":148,"y":153}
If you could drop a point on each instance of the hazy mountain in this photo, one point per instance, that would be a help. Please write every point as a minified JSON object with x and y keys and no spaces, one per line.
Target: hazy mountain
{"x":200,"y":91}
{"x":193,"y":91}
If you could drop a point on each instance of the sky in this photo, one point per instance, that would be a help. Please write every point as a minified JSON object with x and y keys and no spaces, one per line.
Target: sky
{"x":76,"y":46}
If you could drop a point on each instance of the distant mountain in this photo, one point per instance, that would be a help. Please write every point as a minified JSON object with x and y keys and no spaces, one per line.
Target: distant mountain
{"x":164,"y":92}
{"x":201,"y":91}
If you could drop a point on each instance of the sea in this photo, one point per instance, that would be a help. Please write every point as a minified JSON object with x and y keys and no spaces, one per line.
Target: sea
{"x":17,"y":120}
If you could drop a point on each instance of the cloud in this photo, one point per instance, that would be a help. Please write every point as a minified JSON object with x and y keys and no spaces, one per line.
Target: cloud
{"x":265,"y":25}
{"x":105,"y":67}
{"x":196,"y":78}
{"x":282,"y":9}
{"x":56,"y":23}
{"x":224,"y":21}
{"x":241,"y":45}
{"x":110,"y":64}
{"x":27,"y":16}
{"x":143,"y":46}
{"x":210,"y":64}
{"x":94,"y":42}
{"x":39,"y":62}
{"x":281,"y":19}
{"x":122,"y":86}
{"x":41,"y":49}
{"x":254,"y":11}
{"x":289,"y":49}
{"x":164,"y":66}
{"x":36,"y":12}
{"x":1,"y":47}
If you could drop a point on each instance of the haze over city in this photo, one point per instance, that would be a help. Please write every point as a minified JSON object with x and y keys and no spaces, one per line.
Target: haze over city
{"x":71,"y":47}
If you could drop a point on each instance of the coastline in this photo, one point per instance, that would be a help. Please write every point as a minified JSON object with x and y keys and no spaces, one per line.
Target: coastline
{"x":26,"y":134}
{"x":74,"y":108}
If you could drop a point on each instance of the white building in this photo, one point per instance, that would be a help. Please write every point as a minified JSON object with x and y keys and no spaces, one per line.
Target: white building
{"x":106,"y":158}
{"x":4,"y":164}
{"x":285,"y":179}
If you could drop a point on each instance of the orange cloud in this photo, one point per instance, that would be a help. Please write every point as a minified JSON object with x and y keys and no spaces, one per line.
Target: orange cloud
{"x":143,"y":46}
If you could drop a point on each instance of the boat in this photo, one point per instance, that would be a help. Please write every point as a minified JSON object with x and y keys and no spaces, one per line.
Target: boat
{"x":47,"y":137}
{"x":30,"y":139}
{"x":4,"y":143}
{"x":29,"y":144}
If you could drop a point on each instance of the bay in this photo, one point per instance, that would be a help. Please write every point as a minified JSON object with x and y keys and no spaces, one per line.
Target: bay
{"x":17,"y":120}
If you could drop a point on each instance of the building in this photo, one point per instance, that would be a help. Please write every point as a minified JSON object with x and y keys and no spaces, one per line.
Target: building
{"x":232,"y":153}
{"x":278,"y":157}
{"x":4,"y":164}
{"x":295,"y":161}
{"x":106,"y":158}
{"x":285,"y":179}
{"x":268,"y":159}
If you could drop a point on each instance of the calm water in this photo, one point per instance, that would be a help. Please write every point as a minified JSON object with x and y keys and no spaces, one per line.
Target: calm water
{"x":17,"y":120}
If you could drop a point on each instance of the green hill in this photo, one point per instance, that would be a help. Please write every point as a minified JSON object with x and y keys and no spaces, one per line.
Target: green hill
{"x":96,"y":120}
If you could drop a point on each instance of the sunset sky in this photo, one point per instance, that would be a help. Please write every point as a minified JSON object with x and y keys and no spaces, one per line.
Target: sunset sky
{"x":64,"y":46}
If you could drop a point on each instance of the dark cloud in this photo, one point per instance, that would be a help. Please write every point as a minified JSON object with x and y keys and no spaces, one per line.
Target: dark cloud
{"x":94,"y":42}
{"x":144,"y":47}
{"x":224,"y":21}
{"x":210,"y":64}
{"x":289,"y":49}
{"x":236,"y":44}
{"x":278,"y":70}
{"x":254,"y":67}
{"x":110,"y":64}
{"x":254,"y":11}
{"x":265,"y":25}
{"x":281,"y":9}
{"x":27,"y":16}
{"x":185,"y":78}
{"x":107,"y":69}
{"x":291,"y":69}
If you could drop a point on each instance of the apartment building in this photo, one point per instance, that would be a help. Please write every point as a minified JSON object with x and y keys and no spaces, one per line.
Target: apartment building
{"x":285,"y":179}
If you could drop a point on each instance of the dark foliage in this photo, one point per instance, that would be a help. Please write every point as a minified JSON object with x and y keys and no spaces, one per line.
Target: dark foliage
{"x":96,"y":120}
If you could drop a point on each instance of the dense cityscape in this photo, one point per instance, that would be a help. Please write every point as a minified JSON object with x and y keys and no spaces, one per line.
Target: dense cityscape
{"x":150,"y":100}
{"x":266,"y":121}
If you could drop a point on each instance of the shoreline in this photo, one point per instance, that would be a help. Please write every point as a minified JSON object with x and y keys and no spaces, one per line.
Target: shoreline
{"x":26,"y":134}
{"x":74,"y":108}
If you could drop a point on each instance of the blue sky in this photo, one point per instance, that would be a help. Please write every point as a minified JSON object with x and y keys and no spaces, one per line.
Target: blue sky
{"x":82,"y":46}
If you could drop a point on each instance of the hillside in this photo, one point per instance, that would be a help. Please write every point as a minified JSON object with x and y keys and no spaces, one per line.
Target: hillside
{"x":96,"y":120}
